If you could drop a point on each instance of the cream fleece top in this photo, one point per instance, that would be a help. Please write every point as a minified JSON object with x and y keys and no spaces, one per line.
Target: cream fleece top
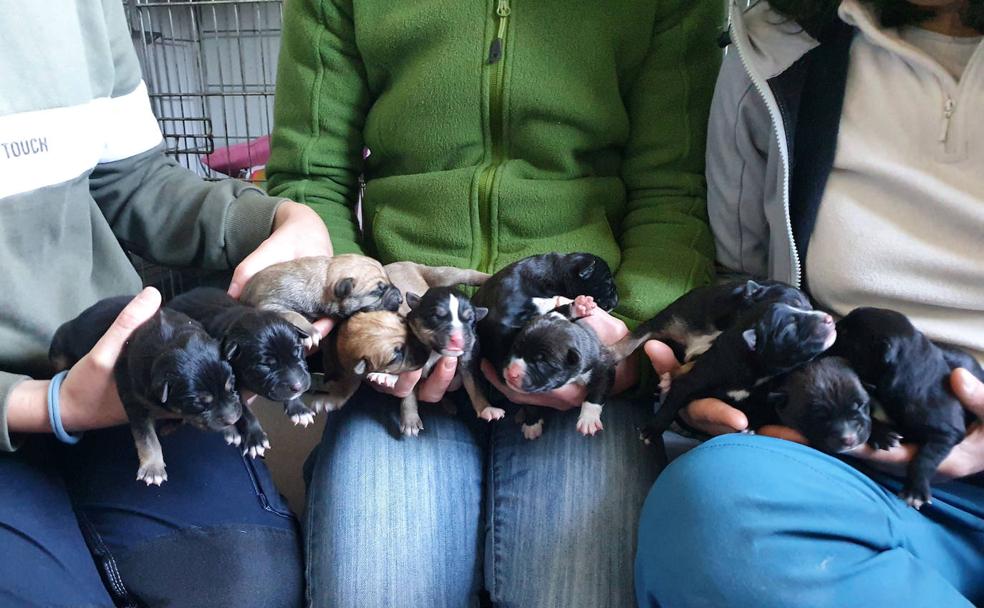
{"x":901,"y":222}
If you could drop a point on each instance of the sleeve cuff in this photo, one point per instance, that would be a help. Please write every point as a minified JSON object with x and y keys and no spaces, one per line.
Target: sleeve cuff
{"x":249,"y":222}
{"x":7,"y":384}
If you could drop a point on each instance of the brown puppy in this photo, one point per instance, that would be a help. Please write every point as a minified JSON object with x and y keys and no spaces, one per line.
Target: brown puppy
{"x":367,"y":342}
{"x":310,"y":288}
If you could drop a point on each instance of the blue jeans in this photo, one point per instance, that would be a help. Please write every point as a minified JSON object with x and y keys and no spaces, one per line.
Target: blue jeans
{"x":77,"y":529}
{"x":466,"y":506}
{"x":754,"y":521}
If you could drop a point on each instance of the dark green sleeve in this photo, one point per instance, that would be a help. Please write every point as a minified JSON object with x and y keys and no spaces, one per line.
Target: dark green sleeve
{"x":321,"y":103}
{"x":167,"y":214}
{"x":667,"y":247}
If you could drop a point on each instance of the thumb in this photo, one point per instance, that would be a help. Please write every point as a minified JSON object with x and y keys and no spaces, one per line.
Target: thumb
{"x":140,"y":308}
{"x":433,"y":388}
{"x":250,"y":265}
{"x":969,"y":390}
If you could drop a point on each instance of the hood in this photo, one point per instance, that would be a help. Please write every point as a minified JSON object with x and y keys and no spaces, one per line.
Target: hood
{"x":773,"y":42}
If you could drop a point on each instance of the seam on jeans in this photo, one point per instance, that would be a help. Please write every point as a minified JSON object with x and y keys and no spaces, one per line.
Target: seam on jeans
{"x":106,"y":562}
{"x":260,"y":493}
{"x":313,"y":499}
{"x":494,"y":516}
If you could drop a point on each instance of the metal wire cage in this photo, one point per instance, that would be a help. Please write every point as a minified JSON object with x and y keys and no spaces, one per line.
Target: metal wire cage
{"x":210,"y":68}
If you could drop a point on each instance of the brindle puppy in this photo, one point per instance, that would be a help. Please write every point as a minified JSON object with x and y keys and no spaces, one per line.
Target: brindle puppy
{"x":310,"y":288}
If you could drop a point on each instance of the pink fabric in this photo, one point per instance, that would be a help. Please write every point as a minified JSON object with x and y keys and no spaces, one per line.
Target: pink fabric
{"x":237,"y":158}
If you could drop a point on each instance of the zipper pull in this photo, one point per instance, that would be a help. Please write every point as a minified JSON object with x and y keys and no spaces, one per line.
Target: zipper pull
{"x":495,"y":51}
{"x":948,"y":107}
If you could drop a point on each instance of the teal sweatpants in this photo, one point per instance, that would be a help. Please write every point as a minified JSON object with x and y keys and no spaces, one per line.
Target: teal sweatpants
{"x":745,"y":520}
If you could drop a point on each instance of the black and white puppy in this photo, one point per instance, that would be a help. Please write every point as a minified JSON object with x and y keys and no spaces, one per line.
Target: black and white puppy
{"x":169,"y":368}
{"x":766,"y":341}
{"x":828,"y":404}
{"x":910,"y":377}
{"x":691,"y":323}
{"x":444,"y":320}
{"x":554,"y":350}
{"x":266,"y":353}
{"x":526,"y":288}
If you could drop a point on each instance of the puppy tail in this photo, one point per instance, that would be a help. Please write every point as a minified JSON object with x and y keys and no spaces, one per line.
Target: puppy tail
{"x":650,"y":330}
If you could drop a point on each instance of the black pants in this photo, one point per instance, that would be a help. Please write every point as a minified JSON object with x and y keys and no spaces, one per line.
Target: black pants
{"x":77,"y":529}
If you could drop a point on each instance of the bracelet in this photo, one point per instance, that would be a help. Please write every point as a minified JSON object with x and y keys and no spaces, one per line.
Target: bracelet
{"x":54,"y":411}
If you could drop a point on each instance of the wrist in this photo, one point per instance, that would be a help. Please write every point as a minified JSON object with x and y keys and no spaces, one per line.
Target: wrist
{"x":27,"y":407}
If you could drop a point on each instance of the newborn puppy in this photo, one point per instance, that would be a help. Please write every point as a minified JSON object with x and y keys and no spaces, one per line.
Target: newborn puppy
{"x":768,"y":340}
{"x":74,"y":339}
{"x":169,"y":368}
{"x":826,"y":402}
{"x":443,"y":320}
{"x":554,"y":350}
{"x":693,"y":321}
{"x":306,"y":289}
{"x":910,"y":377}
{"x":367,"y":342}
{"x":527,"y":288}
{"x":266,"y":353}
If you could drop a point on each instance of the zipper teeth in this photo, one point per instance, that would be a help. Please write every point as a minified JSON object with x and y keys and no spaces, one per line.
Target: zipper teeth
{"x":777,"y":123}
{"x":496,"y":132}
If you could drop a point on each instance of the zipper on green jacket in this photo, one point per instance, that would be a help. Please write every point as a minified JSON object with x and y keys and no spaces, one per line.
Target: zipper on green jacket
{"x":496,"y":129}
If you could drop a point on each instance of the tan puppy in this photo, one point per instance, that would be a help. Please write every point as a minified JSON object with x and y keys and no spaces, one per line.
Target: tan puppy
{"x":367,"y":342}
{"x":310,"y":288}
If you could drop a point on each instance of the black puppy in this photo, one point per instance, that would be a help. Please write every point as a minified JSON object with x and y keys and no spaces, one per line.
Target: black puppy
{"x":266,"y":353}
{"x":554,"y":350}
{"x":691,"y":323}
{"x":169,"y":368}
{"x":766,"y":341}
{"x":527,"y":288}
{"x":444,"y":319}
{"x":910,"y":377}
{"x":827,"y":403}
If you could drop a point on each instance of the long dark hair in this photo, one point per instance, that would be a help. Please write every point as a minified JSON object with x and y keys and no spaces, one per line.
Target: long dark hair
{"x":814,"y":15}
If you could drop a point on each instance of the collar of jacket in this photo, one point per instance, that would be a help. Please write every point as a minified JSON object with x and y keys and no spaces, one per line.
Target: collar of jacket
{"x":802,"y":82}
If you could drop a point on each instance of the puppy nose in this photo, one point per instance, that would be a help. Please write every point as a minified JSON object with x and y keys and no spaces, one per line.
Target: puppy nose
{"x":849,"y":439}
{"x":514,"y":372}
{"x":297,"y":386}
{"x":828,"y":320}
{"x":456,"y":340}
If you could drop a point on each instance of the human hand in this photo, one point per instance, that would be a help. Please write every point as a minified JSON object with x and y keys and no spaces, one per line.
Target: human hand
{"x":712,"y":416}
{"x":966,"y":458}
{"x":297,"y":232}
{"x":89,"y":399}
{"x":610,"y":330}
{"x":431,"y":389}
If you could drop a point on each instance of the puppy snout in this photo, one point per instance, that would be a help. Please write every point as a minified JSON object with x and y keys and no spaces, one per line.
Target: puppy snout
{"x":456,"y":340}
{"x":514,"y":374}
{"x":828,"y":320}
{"x":297,"y":386}
{"x":849,"y":440}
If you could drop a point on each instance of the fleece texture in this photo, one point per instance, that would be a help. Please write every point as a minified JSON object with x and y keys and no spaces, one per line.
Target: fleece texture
{"x":586,"y":134}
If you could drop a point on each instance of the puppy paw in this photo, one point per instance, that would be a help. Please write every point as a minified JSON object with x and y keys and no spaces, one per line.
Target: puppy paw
{"x":492,"y":413}
{"x":311,"y":342}
{"x":411,"y":425}
{"x":232,"y":436}
{"x":382,"y":379}
{"x":916,"y":495}
{"x":299,"y":413}
{"x":665,"y":382}
{"x":884,"y":439}
{"x":589,"y":422}
{"x":533,"y":431}
{"x":256,"y":444}
{"x":583,"y":306}
{"x":152,"y":473}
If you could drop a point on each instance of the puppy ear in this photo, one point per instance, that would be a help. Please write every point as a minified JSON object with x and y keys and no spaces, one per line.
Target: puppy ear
{"x":480,"y":313}
{"x":585,"y":272}
{"x":749,"y":289}
{"x":344,"y":287}
{"x":750,"y":339}
{"x":361,"y":367}
{"x":413,"y":300}
{"x":573,"y":356}
{"x":230,"y":348}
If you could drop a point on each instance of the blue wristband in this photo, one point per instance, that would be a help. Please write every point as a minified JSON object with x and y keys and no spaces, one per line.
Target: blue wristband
{"x":54,"y":411}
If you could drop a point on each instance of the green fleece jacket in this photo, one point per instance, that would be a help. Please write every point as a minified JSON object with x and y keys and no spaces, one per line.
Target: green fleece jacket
{"x":500,"y":129}
{"x":81,"y":171}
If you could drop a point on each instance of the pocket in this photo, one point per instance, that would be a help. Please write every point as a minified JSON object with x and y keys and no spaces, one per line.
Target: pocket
{"x":266,"y":491}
